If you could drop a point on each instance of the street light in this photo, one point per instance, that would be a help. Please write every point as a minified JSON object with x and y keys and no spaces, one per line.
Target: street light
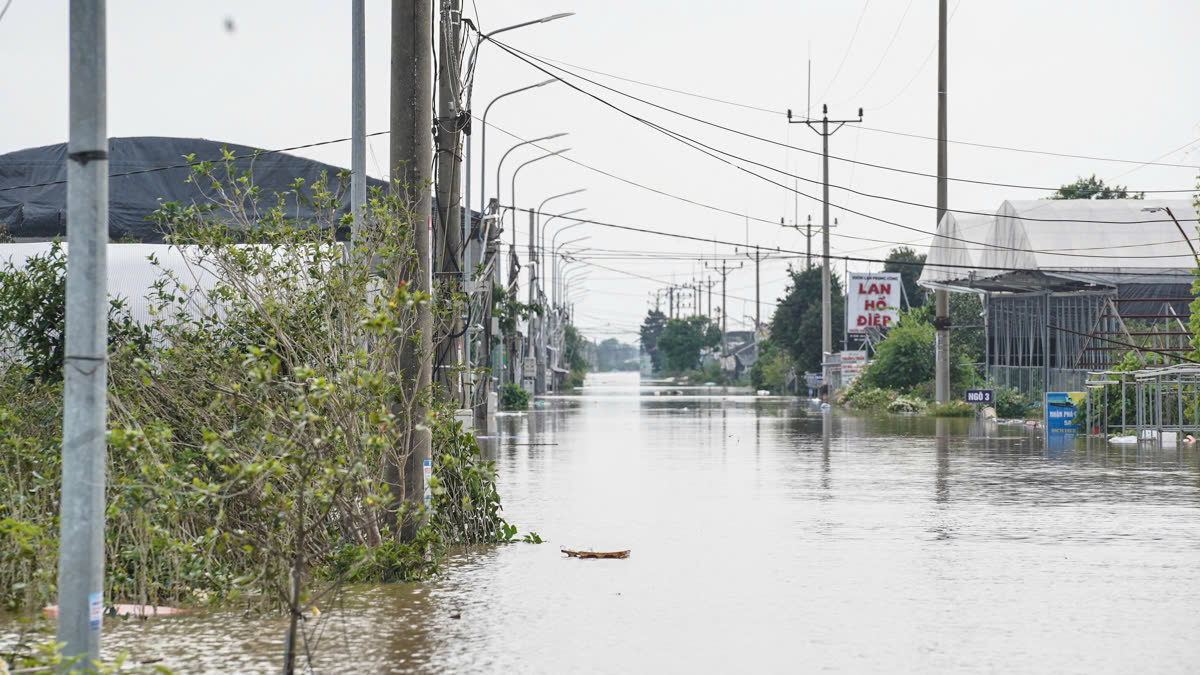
{"x":484,"y":36}
{"x":559,"y":270}
{"x":483,"y":142}
{"x":565,"y":214}
{"x":505,"y":156}
{"x":541,"y":242}
{"x":1155,"y":209}
{"x":513,"y":196}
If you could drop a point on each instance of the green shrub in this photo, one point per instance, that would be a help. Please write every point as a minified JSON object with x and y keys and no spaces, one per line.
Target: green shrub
{"x":905,"y":358}
{"x":872,"y":398}
{"x":513,"y":397}
{"x":951,"y":409}
{"x":261,"y":437}
{"x":1011,"y":404}
{"x":904,"y":405}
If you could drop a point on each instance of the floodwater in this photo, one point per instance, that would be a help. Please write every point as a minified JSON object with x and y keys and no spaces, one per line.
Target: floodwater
{"x":767,"y":536}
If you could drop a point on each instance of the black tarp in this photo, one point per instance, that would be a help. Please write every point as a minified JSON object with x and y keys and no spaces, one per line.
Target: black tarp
{"x":40,"y":212}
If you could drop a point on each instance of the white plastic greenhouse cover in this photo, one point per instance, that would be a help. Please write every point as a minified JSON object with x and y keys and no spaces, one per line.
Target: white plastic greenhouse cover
{"x":1063,"y":238}
{"x":1074,"y":240}
{"x":950,"y":254}
{"x":130,"y":272}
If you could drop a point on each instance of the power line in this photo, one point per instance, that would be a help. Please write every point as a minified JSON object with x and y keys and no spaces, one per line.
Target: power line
{"x":882,"y":57}
{"x":773,"y":223}
{"x":705,"y":149}
{"x":849,"y":47}
{"x":720,"y":242}
{"x":522,"y":56}
{"x":551,"y":62}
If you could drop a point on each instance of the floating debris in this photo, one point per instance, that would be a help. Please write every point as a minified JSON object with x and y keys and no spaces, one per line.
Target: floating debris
{"x":596,"y":554}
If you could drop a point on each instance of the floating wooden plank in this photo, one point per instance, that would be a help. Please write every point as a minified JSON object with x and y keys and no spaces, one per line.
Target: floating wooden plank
{"x":596,"y":554}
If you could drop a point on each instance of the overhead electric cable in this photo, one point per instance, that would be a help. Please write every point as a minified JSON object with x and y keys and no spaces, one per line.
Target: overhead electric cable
{"x":525,"y":56}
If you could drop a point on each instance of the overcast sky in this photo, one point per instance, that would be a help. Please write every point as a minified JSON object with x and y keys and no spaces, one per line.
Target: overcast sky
{"x":1100,"y":78}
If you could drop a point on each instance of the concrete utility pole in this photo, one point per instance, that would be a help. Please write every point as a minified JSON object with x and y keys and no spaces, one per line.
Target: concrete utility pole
{"x":411,"y":158}
{"x":448,"y":223}
{"x":826,"y":300}
{"x":724,"y":269}
{"x":85,"y":372}
{"x":941,"y":321}
{"x":757,"y":258}
{"x":710,"y":282}
{"x":358,"y":114}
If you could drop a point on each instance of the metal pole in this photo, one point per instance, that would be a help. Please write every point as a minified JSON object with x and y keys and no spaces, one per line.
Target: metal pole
{"x":411,"y":158}
{"x":826,"y":314}
{"x":358,"y":115}
{"x":85,"y":373}
{"x":447,"y":238}
{"x":942,"y":298}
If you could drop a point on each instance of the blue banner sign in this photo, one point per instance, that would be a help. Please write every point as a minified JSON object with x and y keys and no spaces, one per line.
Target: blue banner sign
{"x":1062,"y":411}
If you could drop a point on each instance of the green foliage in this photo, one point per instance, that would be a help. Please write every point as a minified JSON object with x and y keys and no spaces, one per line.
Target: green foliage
{"x":909,"y":264}
{"x":1011,"y":403}
{"x":861,"y":397}
{"x":261,"y":437}
{"x":614,"y":355}
{"x":1093,"y":188}
{"x":573,"y":351}
{"x":906,"y":405}
{"x":508,"y":309}
{"x":33,"y":312}
{"x":771,"y":369}
{"x":652,"y":329}
{"x":905,"y":359}
{"x":796,"y":326}
{"x":951,"y":409}
{"x":682,"y":341}
{"x":513,"y":397}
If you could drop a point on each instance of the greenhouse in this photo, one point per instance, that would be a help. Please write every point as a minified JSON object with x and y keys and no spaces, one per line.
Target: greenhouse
{"x":1070,"y":286}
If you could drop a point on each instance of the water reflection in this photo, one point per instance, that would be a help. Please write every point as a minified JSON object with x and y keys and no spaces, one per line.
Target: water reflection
{"x":767,"y":535}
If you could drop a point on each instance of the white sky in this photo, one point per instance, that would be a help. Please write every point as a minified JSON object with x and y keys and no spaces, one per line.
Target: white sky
{"x":1101,"y":78}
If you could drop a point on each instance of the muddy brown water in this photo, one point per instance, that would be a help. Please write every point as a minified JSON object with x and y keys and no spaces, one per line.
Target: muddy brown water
{"x":768,"y":536}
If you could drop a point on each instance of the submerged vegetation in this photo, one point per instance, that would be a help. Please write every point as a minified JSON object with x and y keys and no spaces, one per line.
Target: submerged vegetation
{"x":258,"y":420}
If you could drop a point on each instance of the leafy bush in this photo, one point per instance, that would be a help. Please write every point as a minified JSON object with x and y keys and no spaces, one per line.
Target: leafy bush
{"x":904,"y":405}
{"x":33,"y":314}
{"x":1011,"y":404}
{"x":771,"y":369}
{"x":905,"y":358}
{"x":260,"y":440}
{"x":871,"y":398}
{"x":951,"y":409}
{"x":513,"y":397}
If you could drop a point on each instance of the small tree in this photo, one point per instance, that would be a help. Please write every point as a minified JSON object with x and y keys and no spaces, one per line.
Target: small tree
{"x":1094,"y":188}
{"x":683,"y":339}
{"x":909,"y":264}
{"x":652,"y":328}
{"x":796,"y":326}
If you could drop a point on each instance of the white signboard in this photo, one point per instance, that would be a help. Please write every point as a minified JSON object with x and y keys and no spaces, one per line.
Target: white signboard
{"x":853,"y":363}
{"x":873,"y":301}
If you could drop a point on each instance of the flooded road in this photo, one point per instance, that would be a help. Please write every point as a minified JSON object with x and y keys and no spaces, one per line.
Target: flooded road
{"x":767,"y":536}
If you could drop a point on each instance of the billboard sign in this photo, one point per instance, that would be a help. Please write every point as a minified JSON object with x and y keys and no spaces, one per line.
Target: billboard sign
{"x":1062,"y":411}
{"x":853,"y":363}
{"x":873,"y":301}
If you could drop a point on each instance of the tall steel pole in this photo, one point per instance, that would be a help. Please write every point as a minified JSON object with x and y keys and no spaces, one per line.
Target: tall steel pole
{"x":85,"y":372}
{"x":358,"y":114}
{"x":411,"y":159}
{"x":448,"y":224}
{"x":826,"y":283}
{"x":941,"y":321}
